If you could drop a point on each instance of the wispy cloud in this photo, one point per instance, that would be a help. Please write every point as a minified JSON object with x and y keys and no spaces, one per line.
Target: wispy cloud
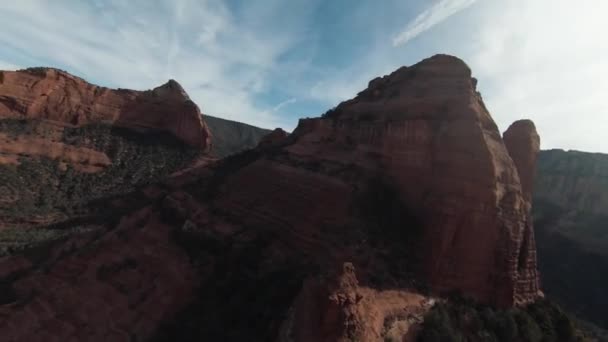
{"x":532,"y":61}
{"x":283,"y":104}
{"x":220,"y":58}
{"x":8,"y":66}
{"x":249,"y":60}
{"x":274,"y":114}
{"x":379,"y":59}
{"x":431,"y":17}
{"x":546,"y":63}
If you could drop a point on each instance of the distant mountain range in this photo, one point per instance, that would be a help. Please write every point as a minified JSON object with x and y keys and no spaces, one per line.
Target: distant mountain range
{"x":571,"y":221}
{"x":230,"y":137}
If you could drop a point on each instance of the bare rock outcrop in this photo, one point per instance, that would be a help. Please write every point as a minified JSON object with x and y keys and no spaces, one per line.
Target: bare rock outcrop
{"x":336,"y":308}
{"x":523,"y":143}
{"x":411,"y":179}
{"x":571,"y":211}
{"x":97,"y":287}
{"x":51,"y":94}
{"x":574,"y":180}
{"x":426,"y":131}
{"x":81,"y":158}
{"x":277,"y":136}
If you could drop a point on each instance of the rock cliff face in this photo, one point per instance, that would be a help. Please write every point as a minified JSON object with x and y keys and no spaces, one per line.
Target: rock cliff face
{"x":570,"y":214}
{"x":65,"y":142}
{"x":523,"y":144}
{"x":571,"y":192}
{"x":410,"y":182}
{"x":273,"y":138}
{"x":230,"y":137}
{"x":50,"y":94}
{"x":95,"y":286}
{"x":81,"y":158}
{"x":338,"y":309}
{"x":426,"y":130}
{"x":573,"y":179}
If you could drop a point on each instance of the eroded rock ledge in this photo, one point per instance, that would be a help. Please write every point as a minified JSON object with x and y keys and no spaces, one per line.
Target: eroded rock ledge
{"x":409,"y":180}
{"x":51,"y":94}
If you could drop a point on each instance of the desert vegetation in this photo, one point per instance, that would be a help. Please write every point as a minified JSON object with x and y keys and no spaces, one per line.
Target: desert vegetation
{"x":460,"y":319}
{"x":42,"y":191}
{"x":40,"y":187}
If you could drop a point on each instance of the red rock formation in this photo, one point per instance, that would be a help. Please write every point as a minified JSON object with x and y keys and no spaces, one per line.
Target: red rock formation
{"x":326,"y":311}
{"x":423,"y":131}
{"x":55,"y":95}
{"x":273,"y":138}
{"x":338,"y":309}
{"x":523,"y":143}
{"x":573,"y":180}
{"x":81,"y":158}
{"x":98,"y":287}
{"x":426,"y":130}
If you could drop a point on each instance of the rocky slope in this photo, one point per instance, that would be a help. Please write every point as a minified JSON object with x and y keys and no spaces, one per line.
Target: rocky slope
{"x":426,"y":131}
{"x":573,"y":179}
{"x":571,"y":188}
{"x":523,"y":144}
{"x":571,"y":216}
{"x":348,"y":311}
{"x":410,"y":182}
{"x":51,"y":94}
{"x":65,"y":142}
{"x":230,"y":137}
{"x":68,"y":149}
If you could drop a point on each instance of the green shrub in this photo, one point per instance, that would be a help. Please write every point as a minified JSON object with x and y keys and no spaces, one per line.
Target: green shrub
{"x":528,"y":329}
{"x":331,"y":113}
{"x":463,"y":320}
{"x":438,"y":327}
{"x":38,"y":187}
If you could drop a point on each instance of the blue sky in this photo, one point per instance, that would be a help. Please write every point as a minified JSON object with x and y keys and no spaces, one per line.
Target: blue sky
{"x":270,"y":62}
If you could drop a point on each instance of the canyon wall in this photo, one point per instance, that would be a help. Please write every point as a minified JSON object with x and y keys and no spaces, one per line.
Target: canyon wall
{"x":426,"y":130}
{"x":409,"y":185}
{"x":51,"y":94}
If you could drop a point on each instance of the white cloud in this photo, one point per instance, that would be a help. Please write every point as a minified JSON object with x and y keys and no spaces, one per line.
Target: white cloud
{"x":8,"y":66}
{"x":539,"y":59}
{"x":284,"y":103}
{"x":222,"y":63}
{"x":274,"y":117}
{"x":381,"y":58}
{"x":546,"y":61}
{"x":534,"y":59}
{"x":434,"y":15}
{"x":334,"y":89}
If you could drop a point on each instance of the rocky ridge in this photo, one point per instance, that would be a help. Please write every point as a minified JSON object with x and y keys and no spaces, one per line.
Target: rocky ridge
{"x":426,"y":131}
{"x":51,"y":94}
{"x":571,"y":211}
{"x":394,"y":182}
{"x":574,"y":179}
{"x":65,"y":142}
{"x":230,"y":137}
{"x":339,"y":309}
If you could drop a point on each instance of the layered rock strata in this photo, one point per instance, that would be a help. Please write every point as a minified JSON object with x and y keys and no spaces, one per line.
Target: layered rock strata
{"x":51,"y":94}
{"x":410,"y":180}
{"x":425,"y":131}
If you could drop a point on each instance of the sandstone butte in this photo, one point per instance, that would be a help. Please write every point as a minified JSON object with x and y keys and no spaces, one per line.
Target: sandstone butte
{"x":427,"y":130}
{"x":54,"y":95}
{"x":276,"y":136}
{"x":301,"y":199}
